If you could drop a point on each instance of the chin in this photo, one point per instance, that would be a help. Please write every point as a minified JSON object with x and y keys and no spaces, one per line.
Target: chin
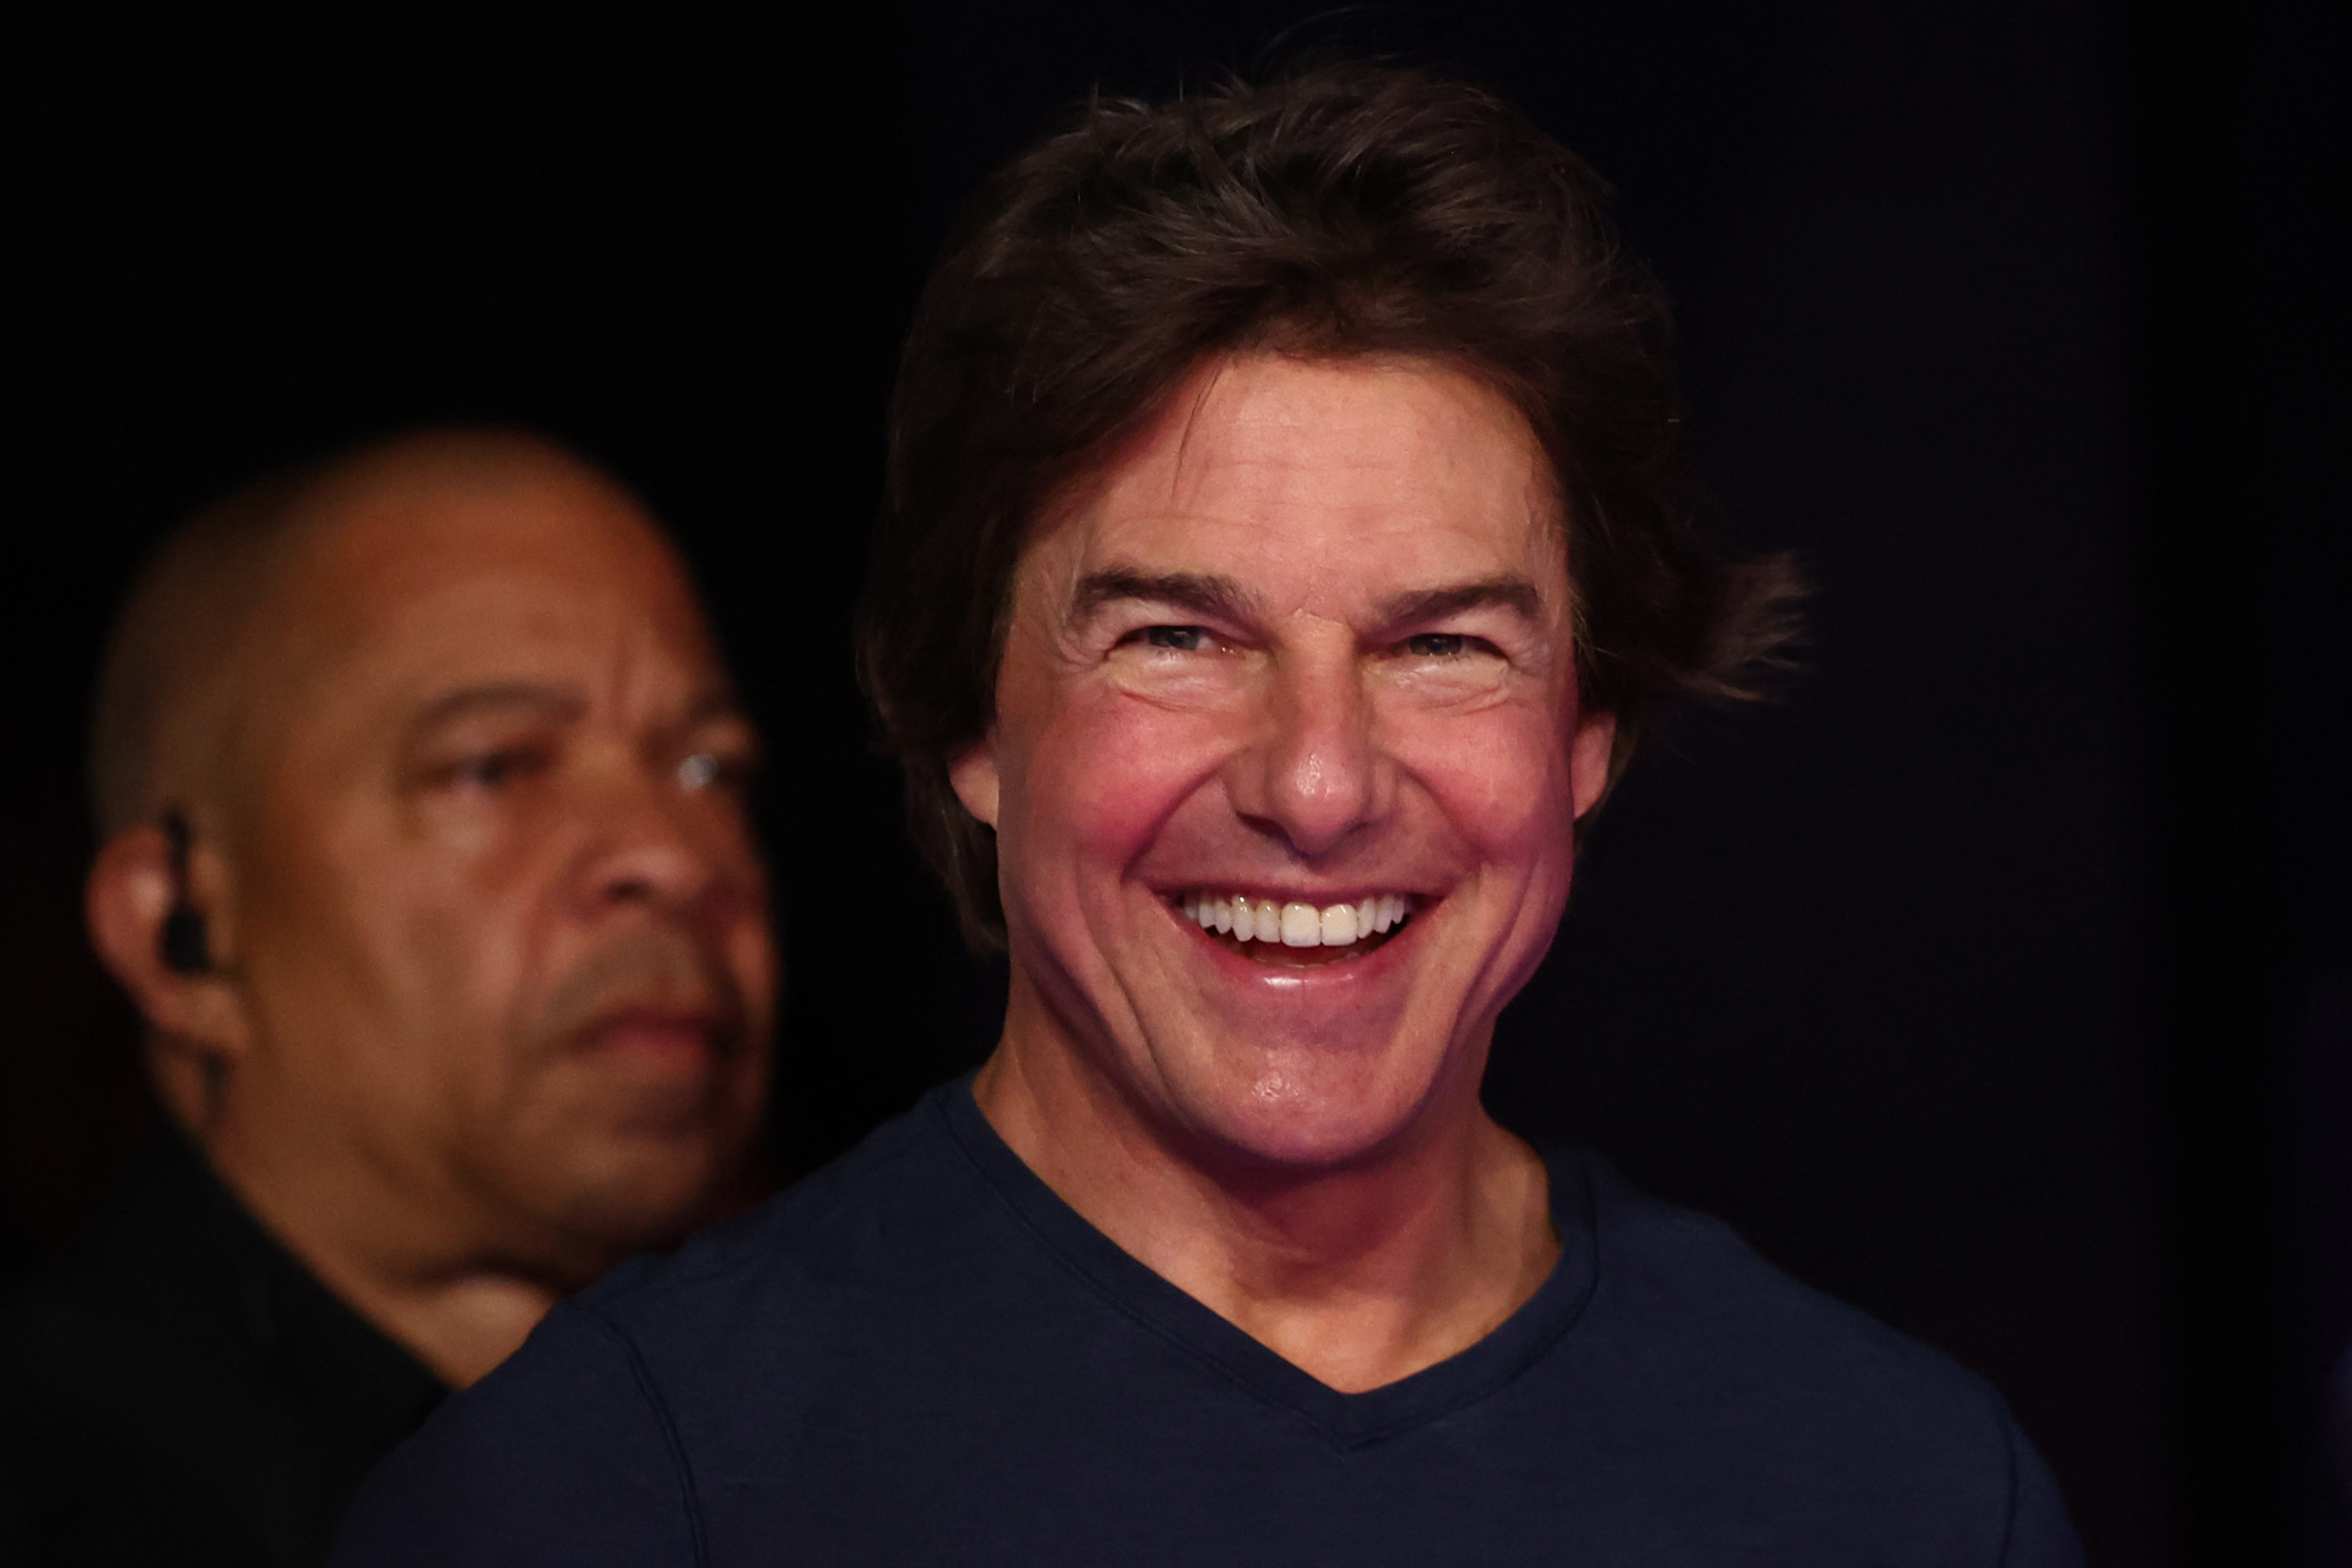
{"x":1305,"y":1114}
{"x":608,"y":1195}
{"x":638,"y":1161}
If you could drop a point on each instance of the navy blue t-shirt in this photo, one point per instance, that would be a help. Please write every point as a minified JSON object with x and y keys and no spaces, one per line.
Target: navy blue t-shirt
{"x":921,"y":1355}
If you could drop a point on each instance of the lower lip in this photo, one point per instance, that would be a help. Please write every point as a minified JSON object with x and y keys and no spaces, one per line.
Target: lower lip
{"x":656,"y":1041}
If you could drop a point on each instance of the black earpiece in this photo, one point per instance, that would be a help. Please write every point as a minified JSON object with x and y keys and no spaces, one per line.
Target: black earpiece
{"x":182,"y":942}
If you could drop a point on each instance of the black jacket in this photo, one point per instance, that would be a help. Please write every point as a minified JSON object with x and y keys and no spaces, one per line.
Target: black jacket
{"x":182,"y":1391}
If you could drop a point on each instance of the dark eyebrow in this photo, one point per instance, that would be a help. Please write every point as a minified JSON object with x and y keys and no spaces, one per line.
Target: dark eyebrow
{"x":1515,"y":594}
{"x":1216,"y":599}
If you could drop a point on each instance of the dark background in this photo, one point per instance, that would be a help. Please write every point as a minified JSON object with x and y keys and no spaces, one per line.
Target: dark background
{"x":1986,"y":982}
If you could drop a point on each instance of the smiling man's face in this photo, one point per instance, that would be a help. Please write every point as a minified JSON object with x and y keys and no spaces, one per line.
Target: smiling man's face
{"x":1305,"y":649}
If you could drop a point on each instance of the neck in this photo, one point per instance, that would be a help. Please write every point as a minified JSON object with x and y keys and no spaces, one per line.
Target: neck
{"x":391,"y":1258}
{"x":1358,"y":1274}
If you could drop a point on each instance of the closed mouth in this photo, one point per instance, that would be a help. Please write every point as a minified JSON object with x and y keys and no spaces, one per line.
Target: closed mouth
{"x":662,"y":1031}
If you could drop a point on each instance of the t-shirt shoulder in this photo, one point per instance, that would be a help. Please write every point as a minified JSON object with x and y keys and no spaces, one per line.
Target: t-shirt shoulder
{"x":849,"y":1226}
{"x":565,"y":1455}
{"x":1694,"y":1275}
{"x":593,"y":1421}
{"x":1684,"y":1308}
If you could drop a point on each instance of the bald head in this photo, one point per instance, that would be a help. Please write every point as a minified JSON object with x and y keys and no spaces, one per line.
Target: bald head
{"x":232,"y":596}
{"x":473,"y":968}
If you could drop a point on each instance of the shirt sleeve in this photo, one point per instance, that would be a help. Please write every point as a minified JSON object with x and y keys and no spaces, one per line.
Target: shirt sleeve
{"x":2041,"y":1534}
{"x":566,"y":1454}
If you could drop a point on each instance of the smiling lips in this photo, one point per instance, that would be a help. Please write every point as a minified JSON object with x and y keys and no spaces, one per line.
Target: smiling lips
{"x":1270,"y":926}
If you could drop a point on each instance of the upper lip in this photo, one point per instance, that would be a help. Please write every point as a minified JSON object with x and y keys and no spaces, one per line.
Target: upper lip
{"x":1324,"y":899}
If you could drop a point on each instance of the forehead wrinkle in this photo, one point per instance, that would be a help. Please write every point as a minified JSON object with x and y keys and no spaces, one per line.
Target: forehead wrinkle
{"x":1399,"y":445}
{"x":1421,"y":463}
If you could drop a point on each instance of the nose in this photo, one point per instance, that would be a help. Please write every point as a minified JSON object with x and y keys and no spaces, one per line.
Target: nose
{"x":1317,"y":774}
{"x":647,"y":846}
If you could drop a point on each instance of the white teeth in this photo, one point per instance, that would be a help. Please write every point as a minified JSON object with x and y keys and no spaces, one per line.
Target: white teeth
{"x":1295,"y":924}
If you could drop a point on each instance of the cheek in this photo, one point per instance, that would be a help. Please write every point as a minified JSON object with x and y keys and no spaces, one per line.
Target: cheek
{"x":751,"y":956}
{"x":448,"y":928}
{"x":1501,"y":780}
{"x":1098,"y":784}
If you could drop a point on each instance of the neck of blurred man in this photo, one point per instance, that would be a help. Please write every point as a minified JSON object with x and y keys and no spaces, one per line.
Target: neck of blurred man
{"x":424,"y":1267}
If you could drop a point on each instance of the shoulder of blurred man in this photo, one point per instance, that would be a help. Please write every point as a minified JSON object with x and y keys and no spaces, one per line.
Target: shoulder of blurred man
{"x":921,"y":1355}
{"x":181,"y":1389}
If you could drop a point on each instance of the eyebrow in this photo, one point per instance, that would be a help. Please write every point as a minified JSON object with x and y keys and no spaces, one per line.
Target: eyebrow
{"x":1203,"y":594}
{"x":490,"y":697}
{"x":1222,"y":598}
{"x":1512,"y":593}
{"x":717,"y":703}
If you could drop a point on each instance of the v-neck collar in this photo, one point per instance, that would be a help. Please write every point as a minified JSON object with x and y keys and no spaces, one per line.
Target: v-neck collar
{"x":1347,"y":1420}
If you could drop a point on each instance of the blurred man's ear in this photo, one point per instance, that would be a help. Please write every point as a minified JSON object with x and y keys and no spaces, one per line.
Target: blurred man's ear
{"x":154,"y":910}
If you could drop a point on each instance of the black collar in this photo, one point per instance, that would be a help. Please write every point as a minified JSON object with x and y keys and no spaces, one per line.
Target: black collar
{"x":187,"y":1257}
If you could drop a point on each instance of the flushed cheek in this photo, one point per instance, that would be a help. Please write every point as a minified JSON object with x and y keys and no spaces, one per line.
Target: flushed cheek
{"x":1503,"y":785}
{"x":1101,"y":783}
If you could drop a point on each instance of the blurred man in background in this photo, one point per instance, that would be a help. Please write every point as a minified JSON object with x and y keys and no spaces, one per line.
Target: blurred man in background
{"x":425,"y":857}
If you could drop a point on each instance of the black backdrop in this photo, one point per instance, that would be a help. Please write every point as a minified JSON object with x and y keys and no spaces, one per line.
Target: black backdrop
{"x":1964,"y":982}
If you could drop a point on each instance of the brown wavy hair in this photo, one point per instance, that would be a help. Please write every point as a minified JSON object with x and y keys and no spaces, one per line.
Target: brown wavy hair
{"x":1346,"y":210}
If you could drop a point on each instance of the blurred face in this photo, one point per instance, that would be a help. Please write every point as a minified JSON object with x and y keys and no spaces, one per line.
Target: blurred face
{"x":500,"y":920}
{"x":1287,"y":756}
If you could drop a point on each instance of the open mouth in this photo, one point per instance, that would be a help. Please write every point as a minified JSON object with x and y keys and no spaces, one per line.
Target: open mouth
{"x":1274,"y":931}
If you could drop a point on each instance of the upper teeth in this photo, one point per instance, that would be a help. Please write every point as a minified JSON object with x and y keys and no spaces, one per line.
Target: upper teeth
{"x":1294,"y":924}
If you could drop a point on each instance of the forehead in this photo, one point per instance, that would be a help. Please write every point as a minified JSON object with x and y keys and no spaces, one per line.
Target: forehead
{"x":539,"y":573}
{"x":1331,"y":476}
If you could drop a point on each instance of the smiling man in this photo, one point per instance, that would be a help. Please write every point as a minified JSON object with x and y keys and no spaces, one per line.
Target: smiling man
{"x":1287,"y":537}
{"x":426,"y":860}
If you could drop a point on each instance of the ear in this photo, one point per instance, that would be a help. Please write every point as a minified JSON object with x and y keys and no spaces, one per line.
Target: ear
{"x":1589,"y":755}
{"x":972,"y":771}
{"x":132,"y":886}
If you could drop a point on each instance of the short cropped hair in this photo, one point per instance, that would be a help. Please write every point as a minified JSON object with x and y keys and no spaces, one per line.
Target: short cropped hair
{"x":163,"y":707}
{"x":169,"y":719}
{"x":1348,"y":210}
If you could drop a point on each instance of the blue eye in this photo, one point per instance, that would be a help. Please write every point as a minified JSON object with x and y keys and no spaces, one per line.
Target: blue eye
{"x":1437,"y":644}
{"x":1184,"y":639}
